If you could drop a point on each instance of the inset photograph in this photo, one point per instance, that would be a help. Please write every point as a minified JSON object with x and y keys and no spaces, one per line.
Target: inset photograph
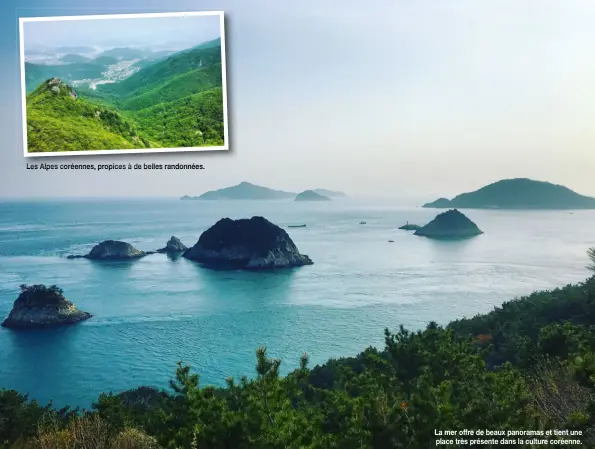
{"x":131,"y":83}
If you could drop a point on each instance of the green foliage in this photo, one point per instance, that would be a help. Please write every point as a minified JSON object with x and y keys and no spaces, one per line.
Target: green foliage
{"x":32,"y":295}
{"x":193,"y":121}
{"x":159,"y":73}
{"x":56,"y":121}
{"x":21,"y":417}
{"x":170,"y":103}
{"x":591,"y":254}
{"x":528,"y":365}
{"x":174,"y":88}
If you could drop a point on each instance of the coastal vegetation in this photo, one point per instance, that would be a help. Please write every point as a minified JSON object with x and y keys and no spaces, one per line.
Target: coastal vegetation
{"x":168,"y":102}
{"x":523,"y":369}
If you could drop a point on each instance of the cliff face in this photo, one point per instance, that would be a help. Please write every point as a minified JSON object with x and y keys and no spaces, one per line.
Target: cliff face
{"x":253,"y":243}
{"x":40,"y":306}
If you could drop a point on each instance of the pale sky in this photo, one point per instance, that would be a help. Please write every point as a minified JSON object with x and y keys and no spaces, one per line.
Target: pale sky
{"x":121,"y":32}
{"x":398,"y":98}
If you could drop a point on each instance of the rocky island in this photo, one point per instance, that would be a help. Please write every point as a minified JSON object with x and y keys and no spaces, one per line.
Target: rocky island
{"x":410,"y":227}
{"x":113,"y":250}
{"x":174,"y":245}
{"x":40,"y":306}
{"x":311,"y":195}
{"x":451,"y":224}
{"x":519,"y":193}
{"x":250,"y":244}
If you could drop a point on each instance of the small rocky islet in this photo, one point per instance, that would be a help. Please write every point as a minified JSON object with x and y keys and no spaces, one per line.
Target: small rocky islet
{"x":113,"y":250}
{"x":410,"y":227}
{"x":174,"y":245}
{"x":40,"y":306}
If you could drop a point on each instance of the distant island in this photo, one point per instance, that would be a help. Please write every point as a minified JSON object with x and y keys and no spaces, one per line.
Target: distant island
{"x":248,"y":191}
{"x":519,"y":193}
{"x":451,"y":224}
{"x":329,"y":193}
{"x":311,"y":195}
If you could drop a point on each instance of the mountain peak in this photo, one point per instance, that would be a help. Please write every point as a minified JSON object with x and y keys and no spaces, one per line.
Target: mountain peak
{"x":59,"y":87}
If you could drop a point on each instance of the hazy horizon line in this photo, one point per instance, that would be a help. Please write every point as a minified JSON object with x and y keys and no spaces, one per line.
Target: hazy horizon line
{"x":426,"y":197}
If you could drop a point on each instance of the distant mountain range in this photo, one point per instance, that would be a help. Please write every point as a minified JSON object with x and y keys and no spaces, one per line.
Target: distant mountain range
{"x":169,"y":102}
{"x":519,"y":193}
{"x":249,"y":191}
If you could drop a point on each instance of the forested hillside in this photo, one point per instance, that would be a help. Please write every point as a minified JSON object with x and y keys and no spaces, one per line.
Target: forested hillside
{"x":56,"y":121}
{"x":528,"y":366}
{"x":168,"y":101}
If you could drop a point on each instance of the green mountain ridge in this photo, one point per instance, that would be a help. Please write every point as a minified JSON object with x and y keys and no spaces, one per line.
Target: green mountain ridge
{"x":518,"y":193}
{"x":157,"y":74}
{"x":59,"y":121}
{"x":176,"y":101}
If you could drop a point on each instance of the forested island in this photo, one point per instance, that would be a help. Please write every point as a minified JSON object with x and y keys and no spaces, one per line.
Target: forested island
{"x":519,"y":193}
{"x":524,"y":368}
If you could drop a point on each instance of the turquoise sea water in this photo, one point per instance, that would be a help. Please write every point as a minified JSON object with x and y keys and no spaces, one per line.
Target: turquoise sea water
{"x":150,"y":313}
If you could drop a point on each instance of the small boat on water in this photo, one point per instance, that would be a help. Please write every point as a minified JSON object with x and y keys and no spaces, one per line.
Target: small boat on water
{"x":362,"y":222}
{"x":297,"y":226}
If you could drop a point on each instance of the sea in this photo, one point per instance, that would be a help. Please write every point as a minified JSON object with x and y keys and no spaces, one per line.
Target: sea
{"x":150,"y":313}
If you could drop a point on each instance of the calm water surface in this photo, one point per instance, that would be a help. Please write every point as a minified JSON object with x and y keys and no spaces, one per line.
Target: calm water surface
{"x":150,"y":313}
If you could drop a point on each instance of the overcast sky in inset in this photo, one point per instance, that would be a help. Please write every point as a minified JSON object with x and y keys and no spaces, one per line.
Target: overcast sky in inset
{"x":121,"y":32}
